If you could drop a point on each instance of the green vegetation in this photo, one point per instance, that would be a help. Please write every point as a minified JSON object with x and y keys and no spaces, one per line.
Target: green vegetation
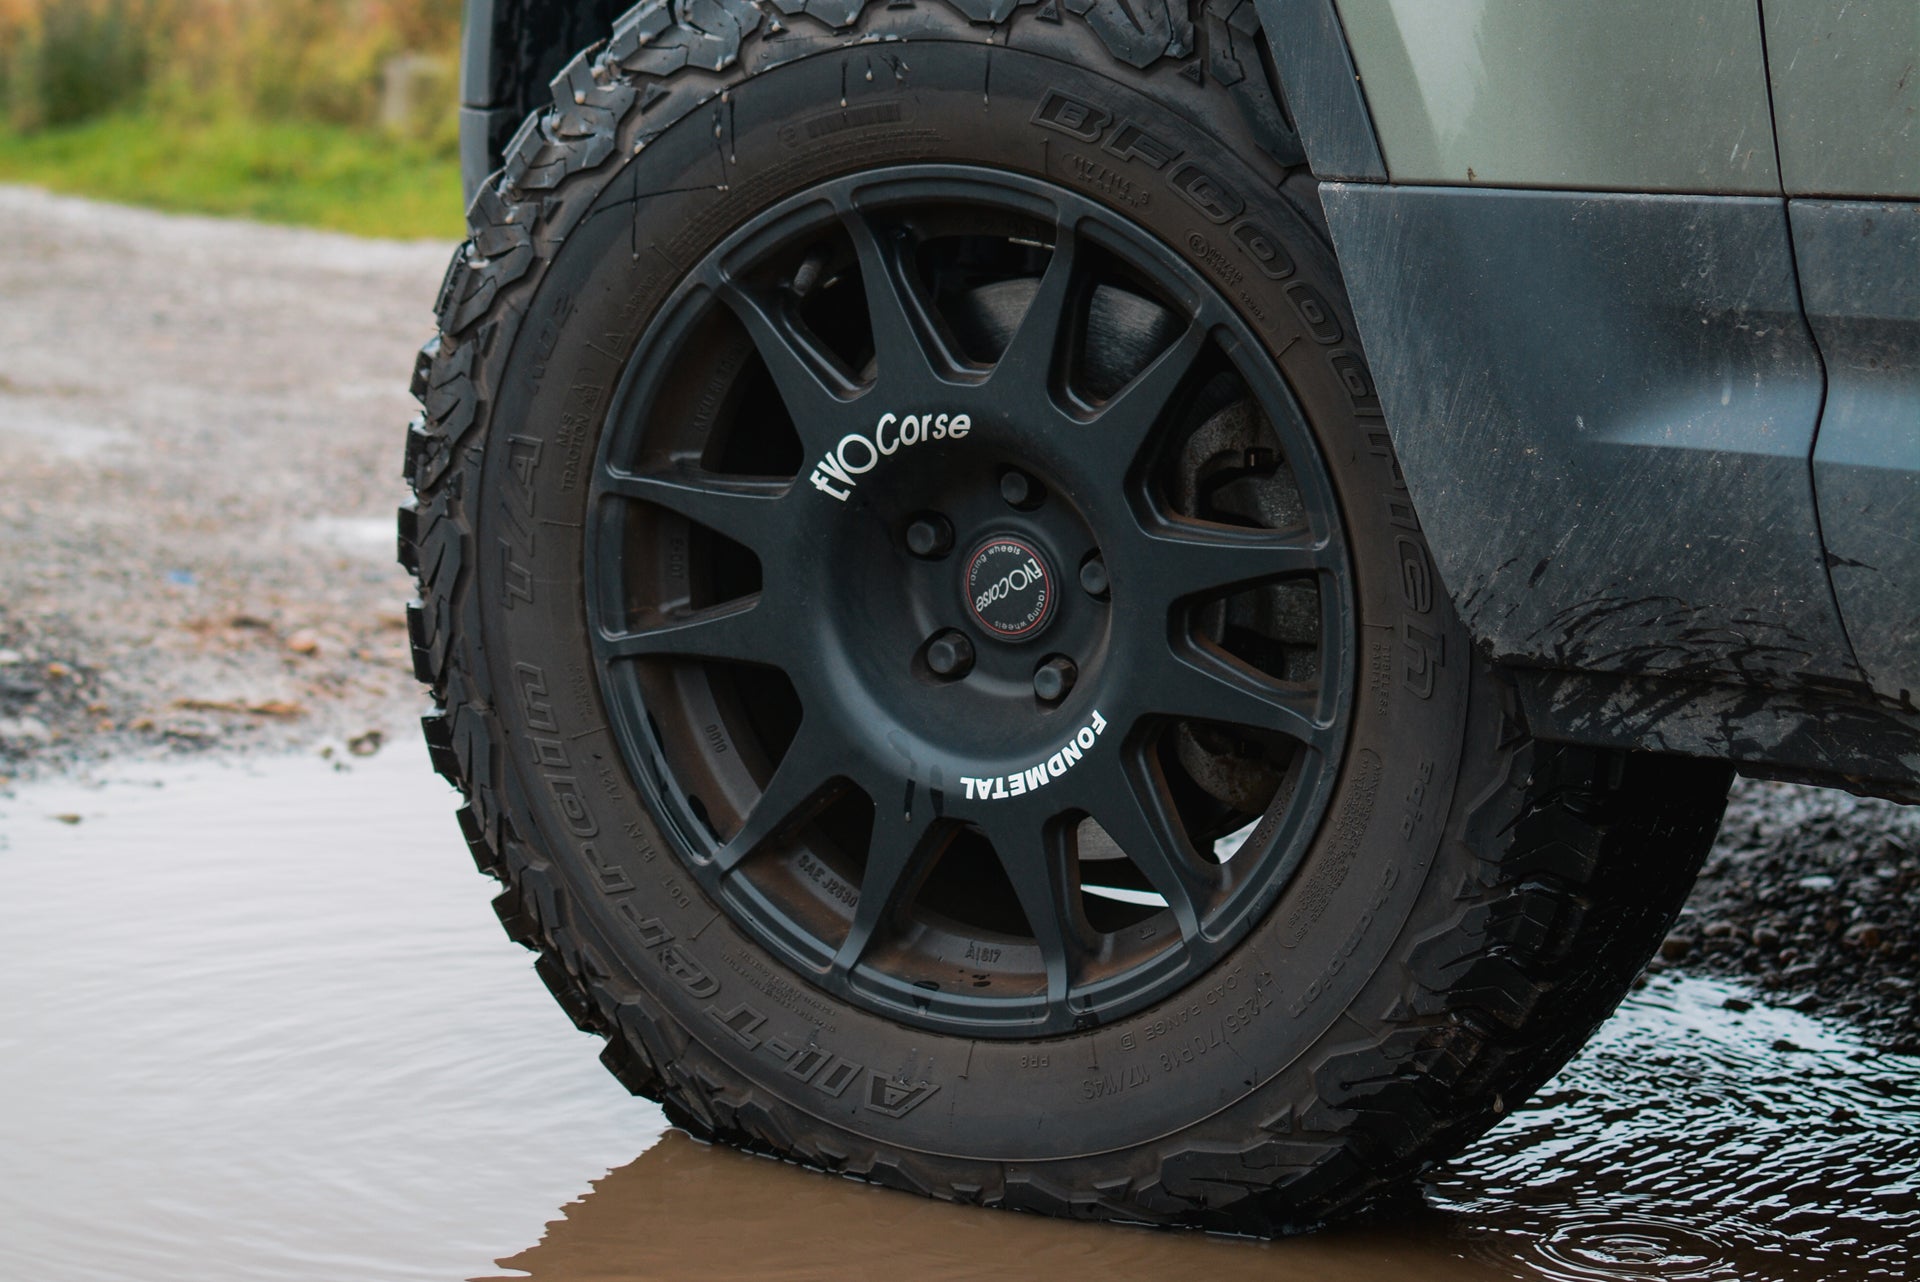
{"x":335,"y":176}
{"x":330,"y":113}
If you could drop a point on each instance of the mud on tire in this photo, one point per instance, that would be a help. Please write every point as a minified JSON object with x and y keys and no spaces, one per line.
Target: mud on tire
{"x":1464,"y":908}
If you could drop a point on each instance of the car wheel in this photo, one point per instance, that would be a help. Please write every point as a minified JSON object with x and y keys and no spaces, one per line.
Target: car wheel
{"x":933,"y":639}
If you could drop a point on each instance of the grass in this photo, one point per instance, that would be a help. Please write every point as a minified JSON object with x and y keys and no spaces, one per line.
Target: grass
{"x":314,"y":175}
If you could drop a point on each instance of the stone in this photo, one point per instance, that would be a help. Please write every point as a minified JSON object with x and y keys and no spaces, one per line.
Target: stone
{"x":1675,"y":947}
{"x":21,"y":730}
{"x":1864,"y":934}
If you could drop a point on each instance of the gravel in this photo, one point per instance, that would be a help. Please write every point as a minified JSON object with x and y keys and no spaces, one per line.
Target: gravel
{"x":1810,"y":893}
{"x":200,"y":434}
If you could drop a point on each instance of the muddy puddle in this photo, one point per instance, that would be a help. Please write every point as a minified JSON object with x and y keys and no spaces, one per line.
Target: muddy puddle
{"x":258,"y":1022}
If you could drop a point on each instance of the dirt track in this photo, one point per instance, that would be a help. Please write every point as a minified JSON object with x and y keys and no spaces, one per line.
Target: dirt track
{"x":200,"y":434}
{"x":200,"y":429}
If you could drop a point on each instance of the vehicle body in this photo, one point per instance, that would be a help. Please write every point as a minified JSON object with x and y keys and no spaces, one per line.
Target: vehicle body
{"x":1477,"y":427}
{"x":1640,"y":284}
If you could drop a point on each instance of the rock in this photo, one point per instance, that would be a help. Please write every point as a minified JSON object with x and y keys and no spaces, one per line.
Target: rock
{"x":1863,"y":934}
{"x":10,"y":657}
{"x":65,"y":819}
{"x":1720,"y":930}
{"x":1818,"y":881}
{"x":1737,"y":1005}
{"x":366,"y":744}
{"x":1675,"y":947}
{"x":1765,"y":936}
{"x":24,"y":730}
{"x":305,"y":641}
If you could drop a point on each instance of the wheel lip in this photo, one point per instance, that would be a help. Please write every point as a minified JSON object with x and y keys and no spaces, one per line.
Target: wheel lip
{"x":1163,"y":973}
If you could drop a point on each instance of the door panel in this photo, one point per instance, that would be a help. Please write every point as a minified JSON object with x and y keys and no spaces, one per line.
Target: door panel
{"x":1860,"y":278}
{"x":1846,"y":93}
{"x":1603,"y":95}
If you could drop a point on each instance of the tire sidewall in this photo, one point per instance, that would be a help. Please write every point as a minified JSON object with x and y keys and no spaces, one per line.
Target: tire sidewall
{"x":1088,"y":125}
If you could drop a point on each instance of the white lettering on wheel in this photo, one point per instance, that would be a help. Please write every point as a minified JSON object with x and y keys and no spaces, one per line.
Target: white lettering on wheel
{"x":1041,"y":773}
{"x":856,"y":455}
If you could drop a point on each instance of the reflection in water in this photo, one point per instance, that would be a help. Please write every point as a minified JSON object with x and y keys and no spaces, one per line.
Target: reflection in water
{"x":258,"y":1023}
{"x":692,"y":1211}
{"x":1687,"y":1143}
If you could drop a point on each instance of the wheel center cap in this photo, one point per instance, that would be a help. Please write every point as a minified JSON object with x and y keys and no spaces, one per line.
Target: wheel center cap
{"x":1011,"y":589}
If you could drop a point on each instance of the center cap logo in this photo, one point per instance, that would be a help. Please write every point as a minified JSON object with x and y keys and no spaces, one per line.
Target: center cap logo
{"x":1009,"y":588}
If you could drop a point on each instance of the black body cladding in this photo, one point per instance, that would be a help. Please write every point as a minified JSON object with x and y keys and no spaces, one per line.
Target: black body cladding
{"x":1860,"y":275}
{"x":1609,"y":441}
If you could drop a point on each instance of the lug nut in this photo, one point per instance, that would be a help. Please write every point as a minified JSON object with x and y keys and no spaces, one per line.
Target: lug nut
{"x":950,"y":654}
{"x":1052,"y":679}
{"x":930,"y":536}
{"x":1019,"y":489}
{"x":1093,"y":577}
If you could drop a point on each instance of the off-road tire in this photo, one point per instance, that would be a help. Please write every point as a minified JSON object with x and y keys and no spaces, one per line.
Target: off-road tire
{"x":1476,"y":902}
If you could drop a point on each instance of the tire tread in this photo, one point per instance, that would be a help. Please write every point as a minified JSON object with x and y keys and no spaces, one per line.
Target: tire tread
{"x":1577,"y":865}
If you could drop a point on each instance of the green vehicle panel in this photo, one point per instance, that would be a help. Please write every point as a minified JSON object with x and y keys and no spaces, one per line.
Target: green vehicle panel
{"x":1845,"y":96}
{"x":1606,"y":95}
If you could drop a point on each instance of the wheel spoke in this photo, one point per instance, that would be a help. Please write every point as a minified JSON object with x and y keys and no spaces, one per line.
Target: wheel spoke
{"x":898,"y":856}
{"x":1143,"y":823}
{"x":1034,"y":858}
{"x":745,"y":510}
{"x":737,"y":632}
{"x":1205,"y":685}
{"x":1035,"y":347}
{"x":801,"y":786}
{"x":1126,"y":423}
{"x":811,"y":383}
{"x":1196,"y":558}
{"x":906,"y":342}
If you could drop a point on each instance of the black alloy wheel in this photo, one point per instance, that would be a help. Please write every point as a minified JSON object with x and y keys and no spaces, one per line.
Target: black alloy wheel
{"x":935,"y":645}
{"x":961,"y":569}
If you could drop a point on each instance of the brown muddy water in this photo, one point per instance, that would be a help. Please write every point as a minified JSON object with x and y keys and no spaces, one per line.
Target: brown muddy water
{"x":258,"y":1022}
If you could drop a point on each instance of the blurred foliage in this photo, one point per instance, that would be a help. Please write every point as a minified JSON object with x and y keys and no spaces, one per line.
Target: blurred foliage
{"x":365,"y":78}
{"x":72,"y":62}
{"x":317,"y":175}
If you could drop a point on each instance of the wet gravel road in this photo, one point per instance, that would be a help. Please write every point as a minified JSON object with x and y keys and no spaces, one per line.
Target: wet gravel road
{"x":200,"y":434}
